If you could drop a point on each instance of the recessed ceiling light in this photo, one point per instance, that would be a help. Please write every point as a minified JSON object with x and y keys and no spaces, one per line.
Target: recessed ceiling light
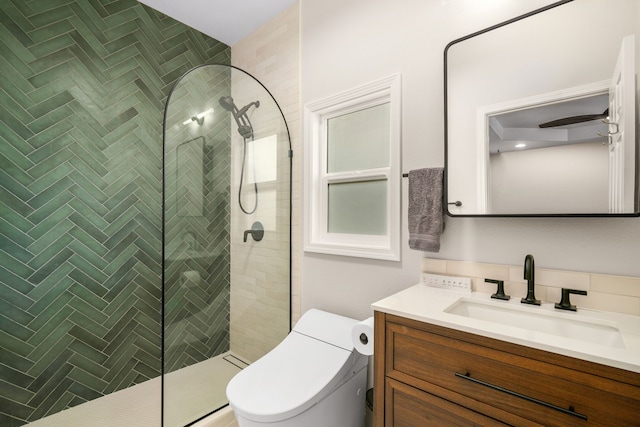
{"x":521,"y":145}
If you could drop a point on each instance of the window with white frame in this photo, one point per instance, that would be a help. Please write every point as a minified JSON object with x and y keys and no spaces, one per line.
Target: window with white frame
{"x":352,"y":173}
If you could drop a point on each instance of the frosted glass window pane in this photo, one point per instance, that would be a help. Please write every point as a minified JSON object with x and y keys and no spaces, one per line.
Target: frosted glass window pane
{"x":358,"y":208}
{"x":359,"y":140}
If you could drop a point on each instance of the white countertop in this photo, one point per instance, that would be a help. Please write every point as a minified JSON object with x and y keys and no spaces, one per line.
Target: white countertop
{"x":427,"y":304}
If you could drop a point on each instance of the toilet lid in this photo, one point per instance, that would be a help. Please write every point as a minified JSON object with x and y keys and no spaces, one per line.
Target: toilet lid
{"x":291,"y":378}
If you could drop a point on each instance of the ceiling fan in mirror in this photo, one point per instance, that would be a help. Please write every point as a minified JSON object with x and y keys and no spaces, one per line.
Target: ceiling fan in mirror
{"x":572,"y":120}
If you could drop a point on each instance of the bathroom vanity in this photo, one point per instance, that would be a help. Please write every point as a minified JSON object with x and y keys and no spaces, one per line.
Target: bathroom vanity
{"x":435,"y":367}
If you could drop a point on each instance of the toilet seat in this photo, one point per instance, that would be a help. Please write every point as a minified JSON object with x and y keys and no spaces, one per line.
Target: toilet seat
{"x":291,"y":378}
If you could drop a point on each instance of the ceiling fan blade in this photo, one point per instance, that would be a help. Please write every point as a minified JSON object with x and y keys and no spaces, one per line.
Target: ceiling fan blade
{"x":574,"y":119}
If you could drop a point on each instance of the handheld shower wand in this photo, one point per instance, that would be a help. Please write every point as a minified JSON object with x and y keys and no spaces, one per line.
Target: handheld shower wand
{"x":246,"y":131}
{"x":240,"y":115}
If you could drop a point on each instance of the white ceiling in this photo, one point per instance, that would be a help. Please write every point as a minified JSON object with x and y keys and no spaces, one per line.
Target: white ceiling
{"x":228,"y":21}
{"x":522,"y":126}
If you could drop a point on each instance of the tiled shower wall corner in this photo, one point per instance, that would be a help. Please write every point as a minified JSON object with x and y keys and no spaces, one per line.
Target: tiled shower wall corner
{"x":604,"y":292}
{"x":259,"y":307}
{"x":83,"y":91}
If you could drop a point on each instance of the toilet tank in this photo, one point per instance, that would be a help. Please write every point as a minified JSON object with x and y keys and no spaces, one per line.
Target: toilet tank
{"x":328,"y":327}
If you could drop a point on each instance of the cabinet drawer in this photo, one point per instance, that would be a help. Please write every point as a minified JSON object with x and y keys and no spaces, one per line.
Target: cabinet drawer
{"x":487,"y":376}
{"x":410,"y":407}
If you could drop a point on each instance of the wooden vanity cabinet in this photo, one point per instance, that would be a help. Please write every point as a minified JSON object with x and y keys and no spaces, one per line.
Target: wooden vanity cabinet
{"x":427,"y":375}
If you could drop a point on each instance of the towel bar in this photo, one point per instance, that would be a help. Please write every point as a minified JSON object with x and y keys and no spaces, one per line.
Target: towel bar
{"x":457,"y":202}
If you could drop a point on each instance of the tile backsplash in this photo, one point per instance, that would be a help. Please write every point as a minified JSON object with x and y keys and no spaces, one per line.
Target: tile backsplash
{"x":604,"y":292}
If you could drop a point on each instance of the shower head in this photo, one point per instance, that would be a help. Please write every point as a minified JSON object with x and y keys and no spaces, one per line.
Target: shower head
{"x":227,"y":103}
{"x":244,"y":126}
{"x":244,"y":109}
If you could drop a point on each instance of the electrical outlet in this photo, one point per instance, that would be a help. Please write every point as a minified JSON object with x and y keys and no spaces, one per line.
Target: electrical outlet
{"x":447,"y":282}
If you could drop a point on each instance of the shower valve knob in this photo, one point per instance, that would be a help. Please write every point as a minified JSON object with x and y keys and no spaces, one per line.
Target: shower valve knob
{"x":257,"y":232}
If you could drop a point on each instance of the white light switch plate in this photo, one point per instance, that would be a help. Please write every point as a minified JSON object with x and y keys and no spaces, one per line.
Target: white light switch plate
{"x":447,"y":282}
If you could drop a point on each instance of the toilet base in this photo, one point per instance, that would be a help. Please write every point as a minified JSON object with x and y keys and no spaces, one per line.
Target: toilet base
{"x":345,"y":407}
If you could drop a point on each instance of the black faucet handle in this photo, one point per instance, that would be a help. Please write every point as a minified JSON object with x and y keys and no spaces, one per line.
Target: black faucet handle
{"x":257,"y":232}
{"x":565,"y":303}
{"x":500,"y":292}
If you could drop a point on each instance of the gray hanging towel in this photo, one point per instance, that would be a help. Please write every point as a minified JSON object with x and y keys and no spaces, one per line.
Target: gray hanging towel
{"x":426,"y":219}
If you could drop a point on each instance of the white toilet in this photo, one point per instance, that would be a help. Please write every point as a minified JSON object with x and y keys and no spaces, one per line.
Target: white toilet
{"x":313,"y":378}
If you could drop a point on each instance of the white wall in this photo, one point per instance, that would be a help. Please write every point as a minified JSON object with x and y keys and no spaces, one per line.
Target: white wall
{"x":346,"y":44}
{"x":568,"y":178}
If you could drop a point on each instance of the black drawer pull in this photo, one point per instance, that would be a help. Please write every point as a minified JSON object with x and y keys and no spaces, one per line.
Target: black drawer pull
{"x":570,"y":411}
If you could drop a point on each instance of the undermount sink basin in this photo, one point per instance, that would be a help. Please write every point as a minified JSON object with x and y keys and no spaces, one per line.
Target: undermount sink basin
{"x":537,"y":319}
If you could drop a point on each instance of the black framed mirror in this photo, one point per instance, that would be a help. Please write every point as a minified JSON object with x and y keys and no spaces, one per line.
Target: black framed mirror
{"x":541,"y":114}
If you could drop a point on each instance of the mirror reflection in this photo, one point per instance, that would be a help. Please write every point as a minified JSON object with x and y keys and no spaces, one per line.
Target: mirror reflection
{"x":541,"y":114}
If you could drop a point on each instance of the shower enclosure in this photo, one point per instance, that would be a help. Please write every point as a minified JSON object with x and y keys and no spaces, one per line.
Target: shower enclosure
{"x":226,"y":235}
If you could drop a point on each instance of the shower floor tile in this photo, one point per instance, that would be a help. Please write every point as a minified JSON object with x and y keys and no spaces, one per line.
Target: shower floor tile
{"x":189,"y":390}
{"x":192,"y":392}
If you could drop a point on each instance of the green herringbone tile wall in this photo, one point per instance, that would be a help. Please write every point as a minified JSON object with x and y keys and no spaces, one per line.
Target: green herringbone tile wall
{"x":83,"y":85}
{"x":197,"y":210}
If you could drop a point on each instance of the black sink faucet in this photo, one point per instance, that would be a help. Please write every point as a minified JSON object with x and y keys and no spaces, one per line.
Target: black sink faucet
{"x":529,"y":275}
